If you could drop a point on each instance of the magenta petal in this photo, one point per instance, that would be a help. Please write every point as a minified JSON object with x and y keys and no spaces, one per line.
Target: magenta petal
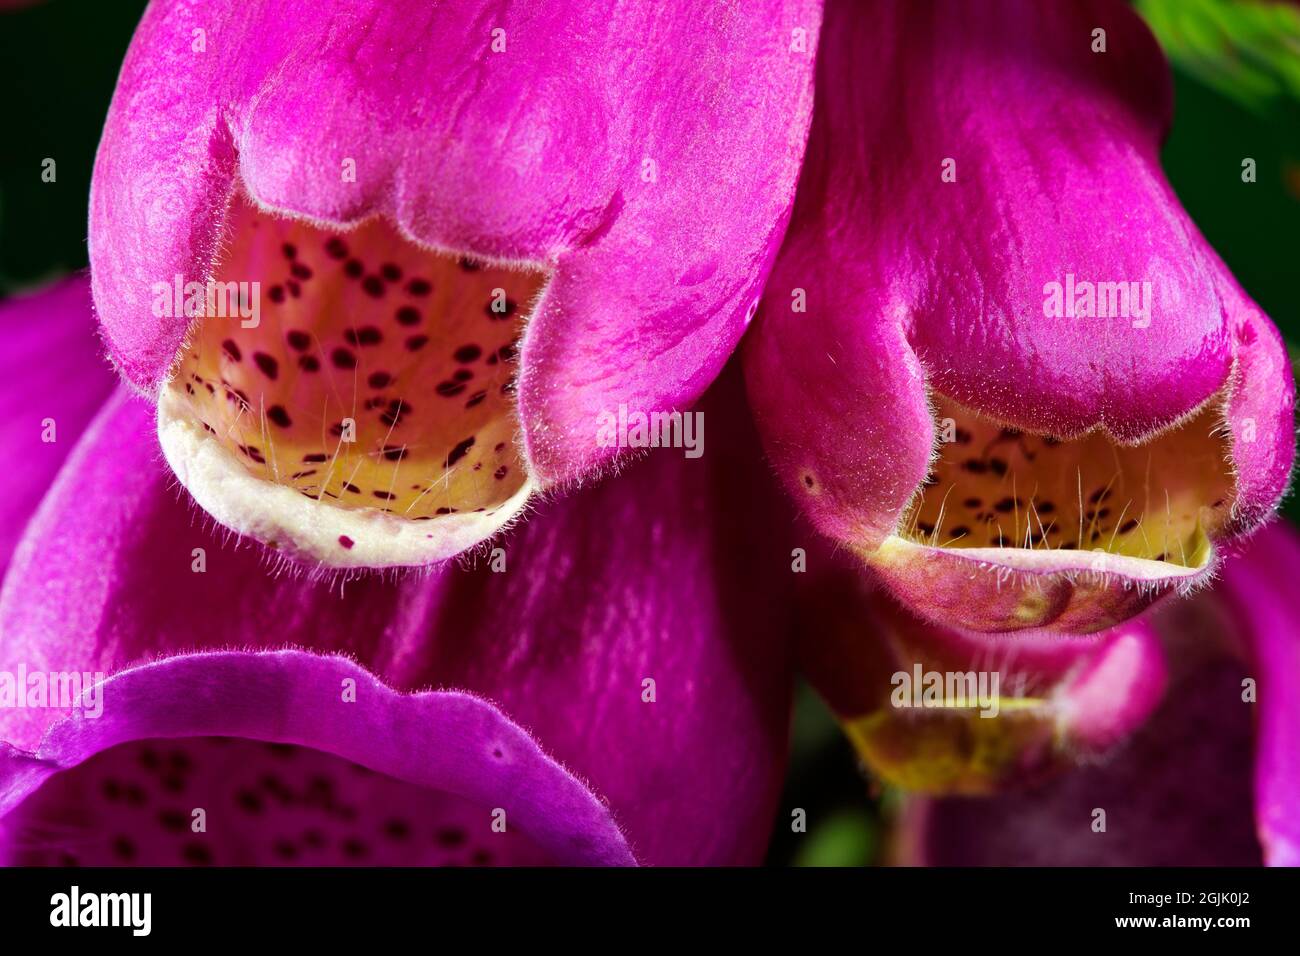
{"x":621,"y":584}
{"x":633,"y":164}
{"x":1048,"y":702}
{"x":446,"y":741}
{"x":53,"y":377}
{"x":1176,"y":794}
{"x":910,"y":358}
{"x":1258,"y":589}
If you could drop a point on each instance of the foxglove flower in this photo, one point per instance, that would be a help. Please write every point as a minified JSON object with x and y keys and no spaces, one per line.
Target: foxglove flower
{"x":996,"y":359}
{"x":433,"y":200}
{"x":1180,"y":793}
{"x":543,"y":706}
{"x":935,"y":710}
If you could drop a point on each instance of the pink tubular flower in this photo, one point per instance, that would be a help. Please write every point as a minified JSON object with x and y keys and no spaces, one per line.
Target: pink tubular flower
{"x":544,"y":706}
{"x":996,"y":358}
{"x":1180,"y":793}
{"x":433,"y":200}
{"x":935,"y":710}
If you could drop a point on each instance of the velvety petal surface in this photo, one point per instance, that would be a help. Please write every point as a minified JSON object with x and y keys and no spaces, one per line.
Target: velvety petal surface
{"x":1178,"y":793}
{"x":632,"y":635}
{"x":53,"y":378}
{"x":995,"y":357}
{"x":586,"y":195}
{"x":938,"y":710}
{"x":1258,"y":596}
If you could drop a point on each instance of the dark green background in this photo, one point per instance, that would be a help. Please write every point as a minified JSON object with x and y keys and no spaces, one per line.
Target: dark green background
{"x":59,"y":63}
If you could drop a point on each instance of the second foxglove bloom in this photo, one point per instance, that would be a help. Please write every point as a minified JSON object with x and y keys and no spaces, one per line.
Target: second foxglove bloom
{"x":996,"y":358}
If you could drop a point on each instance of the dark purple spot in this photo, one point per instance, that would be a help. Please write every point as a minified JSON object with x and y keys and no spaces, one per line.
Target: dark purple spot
{"x":469,"y":265}
{"x":278,"y":415}
{"x":384,"y":495}
{"x":316,"y":457}
{"x":298,"y":340}
{"x":394,"y":454}
{"x":197,"y":854}
{"x":462,"y":375}
{"x":416,"y":342}
{"x":408,"y":316}
{"x":276,"y":292}
{"x":309,"y":363}
{"x":420,"y":287}
{"x":447,"y":388}
{"x":346,"y":541}
{"x":500,"y":472}
{"x":450,"y":837}
{"x":397,"y":829}
{"x":290,"y":251}
{"x":467,"y":353}
{"x":379,"y":379}
{"x":342,"y":358}
{"x":365,"y":335}
{"x":391,"y":271}
{"x":459,"y":451}
{"x":249,"y":802}
{"x":269,"y":366}
{"x":354,"y":269}
{"x":301,"y":271}
{"x":231,"y":350}
{"x":336,"y":248}
{"x":374,"y":286}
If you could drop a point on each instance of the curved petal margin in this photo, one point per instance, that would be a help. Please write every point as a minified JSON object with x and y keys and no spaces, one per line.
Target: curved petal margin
{"x":638,"y":629}
{"x":445,"y":741}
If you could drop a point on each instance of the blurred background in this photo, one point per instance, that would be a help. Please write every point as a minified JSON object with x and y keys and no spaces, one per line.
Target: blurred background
{"x":1237,"y":94}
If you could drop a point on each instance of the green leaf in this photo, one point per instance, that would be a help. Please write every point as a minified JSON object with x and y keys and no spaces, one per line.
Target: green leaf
{"x":848,"y":838}
{"x":1247,"y":50}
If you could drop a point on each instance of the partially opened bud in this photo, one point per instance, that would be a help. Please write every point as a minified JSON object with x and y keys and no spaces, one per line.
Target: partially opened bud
{"x":935,"y":710}
{"x":330,"y":237}
{"x":996,"y":358}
